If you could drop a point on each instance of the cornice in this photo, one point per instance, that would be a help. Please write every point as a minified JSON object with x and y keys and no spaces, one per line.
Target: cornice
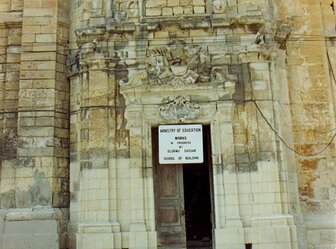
{"x":103,"y":32}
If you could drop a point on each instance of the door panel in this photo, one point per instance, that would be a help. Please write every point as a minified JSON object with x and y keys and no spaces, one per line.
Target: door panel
{"x":169,"y":201}
{"x":170,"y":220}
{"x":169,"y":187}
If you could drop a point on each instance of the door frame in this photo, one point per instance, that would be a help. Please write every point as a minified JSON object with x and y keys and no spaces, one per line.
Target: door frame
{"x":207,"y":141}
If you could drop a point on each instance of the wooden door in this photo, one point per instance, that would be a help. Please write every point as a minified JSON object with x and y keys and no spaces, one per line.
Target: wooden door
{"x":169,"y":202}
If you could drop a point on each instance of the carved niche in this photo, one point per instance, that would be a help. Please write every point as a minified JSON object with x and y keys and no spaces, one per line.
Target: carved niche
{"x":179,"y":109}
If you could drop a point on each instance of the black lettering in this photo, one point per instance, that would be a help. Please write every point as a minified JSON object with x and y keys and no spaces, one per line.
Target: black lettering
{"x":191,"y":130}
{"x":167,"y":130}
{"x":189,"y":150}
{"x":183,"y":142}
{"x":173,"y":151}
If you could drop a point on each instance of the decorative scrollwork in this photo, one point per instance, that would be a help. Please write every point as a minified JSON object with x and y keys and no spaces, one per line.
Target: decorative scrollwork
{"x":179,"y":109}
{"x":178,"y":64}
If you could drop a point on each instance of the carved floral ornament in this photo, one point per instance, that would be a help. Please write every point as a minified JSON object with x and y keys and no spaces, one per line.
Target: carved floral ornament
{"x":179,"y":109}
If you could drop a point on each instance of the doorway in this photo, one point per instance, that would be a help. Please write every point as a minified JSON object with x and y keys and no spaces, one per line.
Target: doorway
{"x":183,"y":200}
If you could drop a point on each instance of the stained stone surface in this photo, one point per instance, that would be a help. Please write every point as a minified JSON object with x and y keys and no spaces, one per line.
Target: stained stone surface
{"x":82,"y":84}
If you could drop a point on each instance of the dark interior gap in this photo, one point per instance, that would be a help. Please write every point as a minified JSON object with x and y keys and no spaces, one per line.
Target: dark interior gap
{"x":248,"y":246}
{"x":197,"y":199}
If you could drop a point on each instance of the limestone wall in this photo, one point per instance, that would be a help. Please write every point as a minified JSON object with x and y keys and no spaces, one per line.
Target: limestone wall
{"x":83,"y":82}
{"x":311,"y":74}
{"x":129,"y":77}
{"x":34,"y":122}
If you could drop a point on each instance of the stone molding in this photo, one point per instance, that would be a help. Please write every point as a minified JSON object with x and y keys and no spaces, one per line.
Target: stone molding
{"x":37,"y":213}
{"x":179,"y":109}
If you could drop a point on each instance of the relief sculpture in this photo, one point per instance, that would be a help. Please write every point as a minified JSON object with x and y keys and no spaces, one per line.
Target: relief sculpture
{"x":178,"y":64}
{"x":126,"y":9}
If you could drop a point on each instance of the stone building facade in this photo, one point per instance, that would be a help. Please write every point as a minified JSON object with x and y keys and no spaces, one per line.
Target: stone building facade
{"x":85,"y":87}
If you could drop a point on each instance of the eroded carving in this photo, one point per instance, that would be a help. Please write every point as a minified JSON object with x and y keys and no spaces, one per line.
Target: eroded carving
{"x":127,"y":9}
{"x":219,"y":6}
{"x":178,"y":64}
{"x":282,"y":34}
{"x":72,"y":64}
{"x":221,"y":74}
{"x":179,"y":109}
{"x":137,"y":78}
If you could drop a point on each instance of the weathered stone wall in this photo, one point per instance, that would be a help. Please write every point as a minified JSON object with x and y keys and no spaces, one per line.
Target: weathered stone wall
{"x":311,"y":72}
{"x":261,"y":73}
{"x":122,"y":78}
{"x":34,"y":122}
{"x":11,"y":33}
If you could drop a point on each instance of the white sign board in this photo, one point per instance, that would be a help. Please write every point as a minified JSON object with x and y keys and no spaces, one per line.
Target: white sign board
{"x":180,"y":144}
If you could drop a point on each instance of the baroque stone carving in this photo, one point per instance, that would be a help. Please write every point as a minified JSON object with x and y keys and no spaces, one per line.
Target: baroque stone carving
{"x":282,"y":34}
{"x":126,"y":9}
{"x":178,"y":64}
{"x":180,"y":108}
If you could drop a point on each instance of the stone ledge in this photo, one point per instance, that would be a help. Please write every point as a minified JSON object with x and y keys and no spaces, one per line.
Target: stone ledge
{"x":320,"y":221}
{"x":201,"y":21}
{"x":37,"y":213}
{"x":276,"y":219}
{"x":99,"y":227}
